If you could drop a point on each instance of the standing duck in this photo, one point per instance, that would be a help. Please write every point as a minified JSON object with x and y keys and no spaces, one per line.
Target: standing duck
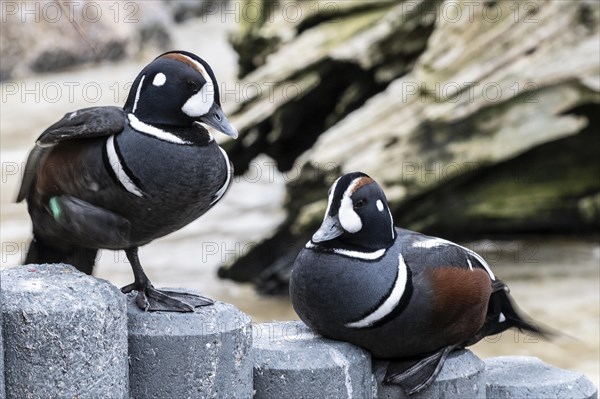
{"x":118,"y":178}
{"x":402,"y":295}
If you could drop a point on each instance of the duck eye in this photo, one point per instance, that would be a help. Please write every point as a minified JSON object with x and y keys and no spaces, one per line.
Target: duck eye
{"x":218,"y":117}
{"x":360,"y":203}
{"x":193,"y":86}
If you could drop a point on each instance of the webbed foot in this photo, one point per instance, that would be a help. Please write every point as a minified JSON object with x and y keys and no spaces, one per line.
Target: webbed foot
{"x":153,"y":300}
{"x":416,"y":374}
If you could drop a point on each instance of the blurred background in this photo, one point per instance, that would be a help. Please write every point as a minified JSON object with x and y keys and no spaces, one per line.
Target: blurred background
{"x":479,"y":118}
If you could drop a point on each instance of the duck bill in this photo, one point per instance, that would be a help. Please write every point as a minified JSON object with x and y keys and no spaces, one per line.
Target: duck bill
{"x":215,"y":117}
{"x":330,"y":229}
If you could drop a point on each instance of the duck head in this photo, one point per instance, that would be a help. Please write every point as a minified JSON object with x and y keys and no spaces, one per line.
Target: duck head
{"x":178,"y":88}
{"x":357,"y":215}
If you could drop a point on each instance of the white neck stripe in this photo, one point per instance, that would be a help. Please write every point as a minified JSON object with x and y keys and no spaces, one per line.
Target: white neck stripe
{"x":115,"y":163}
{"x":353,"y":254}
{"x":361,"y":255}
{"x":222,"y":190}
{"x":154,"y":131}
{"x":391,"y":301}
{"x":137,"y":93}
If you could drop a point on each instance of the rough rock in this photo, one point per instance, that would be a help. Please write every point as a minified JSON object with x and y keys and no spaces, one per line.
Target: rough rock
{"x":337,"y":65}
{"x":44,"y":36}
{"x":475,"y":118}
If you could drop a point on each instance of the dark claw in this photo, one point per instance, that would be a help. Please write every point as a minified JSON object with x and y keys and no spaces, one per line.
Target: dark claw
{"x":128,"y":288}
{"x":142,"y":301}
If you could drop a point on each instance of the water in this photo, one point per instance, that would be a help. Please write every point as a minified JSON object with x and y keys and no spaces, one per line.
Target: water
{"x":555,"y":281}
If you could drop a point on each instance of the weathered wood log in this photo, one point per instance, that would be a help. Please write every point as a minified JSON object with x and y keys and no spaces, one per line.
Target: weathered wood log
{"x":318,"y":74}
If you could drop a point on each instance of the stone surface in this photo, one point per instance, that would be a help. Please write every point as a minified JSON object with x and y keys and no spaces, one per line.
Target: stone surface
{"x":2,"y":390}
{"x":293,"y":361}
{"x":65,"y":334}
{"x":205,"y":354}
{"x":462,"y":377}
{"x":528,"y":377}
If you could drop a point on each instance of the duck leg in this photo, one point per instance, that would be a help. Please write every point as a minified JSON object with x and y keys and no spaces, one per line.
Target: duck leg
{"x":416,"y":374}
{"x":151,"y":299}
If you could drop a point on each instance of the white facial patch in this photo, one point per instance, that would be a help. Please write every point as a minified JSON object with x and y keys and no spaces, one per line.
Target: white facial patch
{"x":199,"y":104}
{"x":379,"y":206}
{"x":348,"y":217}
{"x":159,"y":79}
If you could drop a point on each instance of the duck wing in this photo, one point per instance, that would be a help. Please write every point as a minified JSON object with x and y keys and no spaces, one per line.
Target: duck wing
{"x":82,"y":124}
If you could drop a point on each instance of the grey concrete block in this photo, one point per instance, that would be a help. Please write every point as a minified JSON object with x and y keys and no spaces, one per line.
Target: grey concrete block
{"x":292,"y":361}
{"x":2,"y":391}
{"x":462,"y":377}
{"x":528,"y":377}
{"x":65,"y":334}
{"x":204,"y":354}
